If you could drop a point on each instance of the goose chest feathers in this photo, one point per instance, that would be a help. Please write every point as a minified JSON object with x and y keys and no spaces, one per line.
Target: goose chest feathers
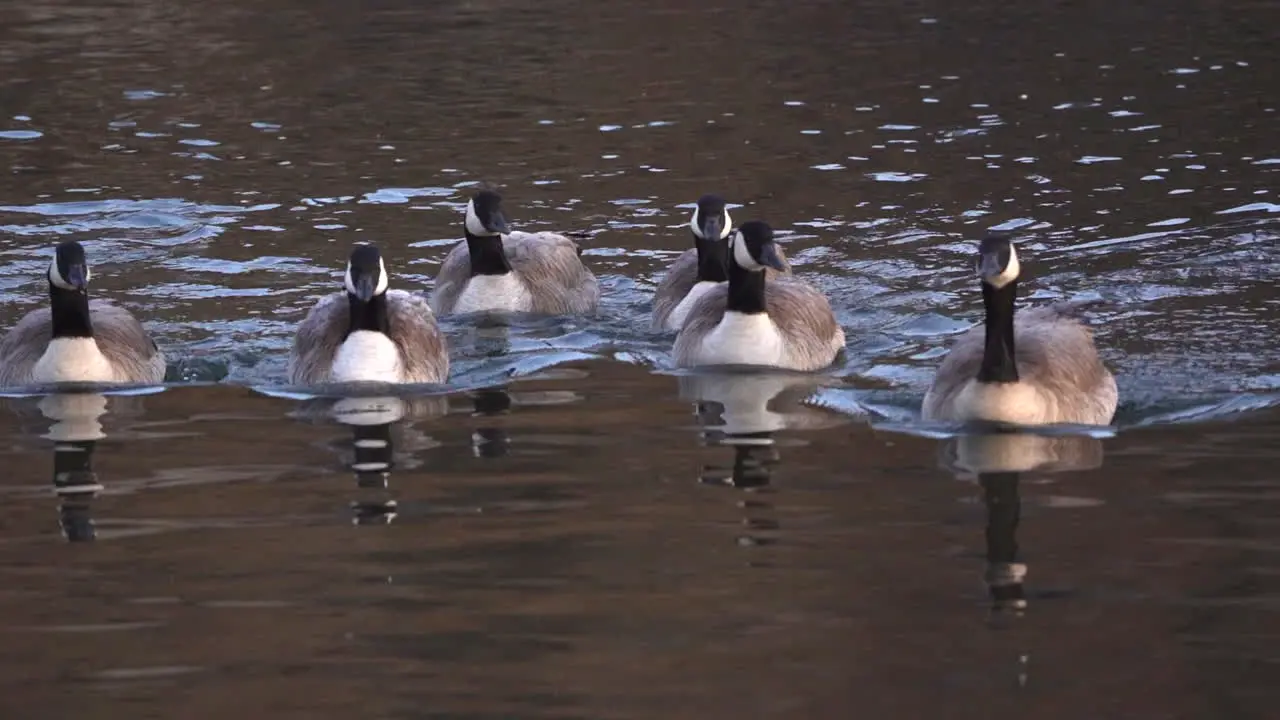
{"x":368,"y":332}
{"x":75,"y":339}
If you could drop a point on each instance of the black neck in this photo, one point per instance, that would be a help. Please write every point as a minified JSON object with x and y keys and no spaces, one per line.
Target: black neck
{"x":70,"y":313}
{"x":713,"y":260}
{"x":998,"y":365}
{"x":487,"y":257}
{"x":746,"y":290}
{"x":371,"y":315}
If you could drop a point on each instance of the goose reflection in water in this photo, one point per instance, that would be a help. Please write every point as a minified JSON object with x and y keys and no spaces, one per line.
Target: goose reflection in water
{"x":75,"y":427}
{"x":75,"y":432}
{"x":378,"y":424}
{"x":492,"y":441}
{"x":998,"y":460}
{"x":743,"y":410}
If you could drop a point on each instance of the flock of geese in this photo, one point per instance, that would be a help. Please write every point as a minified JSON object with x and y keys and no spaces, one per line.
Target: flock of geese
{"x":732,"y":300}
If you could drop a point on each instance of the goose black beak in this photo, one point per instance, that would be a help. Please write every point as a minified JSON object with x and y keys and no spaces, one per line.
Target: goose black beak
{"x":364,"y":288}
{"x":77,"y":277}
{"x":990,"y":265}
{"x":497,"y":223}
{"x":711,"y":226}
{"x":769,"y":257}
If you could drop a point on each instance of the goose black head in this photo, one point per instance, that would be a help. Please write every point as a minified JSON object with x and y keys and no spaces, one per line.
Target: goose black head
{"x":366,"y":274}
{"x":997,"y":260}
{"x":710,"y":219}
{"x":754,"y":248}
{"x":69,"y":270}
{"x":484,"y":215}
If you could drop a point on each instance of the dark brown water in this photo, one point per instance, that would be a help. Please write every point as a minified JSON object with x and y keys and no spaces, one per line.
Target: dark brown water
{"x":575,"y":531}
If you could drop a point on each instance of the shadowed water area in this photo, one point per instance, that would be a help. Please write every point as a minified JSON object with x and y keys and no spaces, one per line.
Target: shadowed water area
{"x":572,"y":528}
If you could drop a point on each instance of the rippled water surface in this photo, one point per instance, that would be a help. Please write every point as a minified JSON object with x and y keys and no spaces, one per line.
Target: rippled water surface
{"x":571,"y":529}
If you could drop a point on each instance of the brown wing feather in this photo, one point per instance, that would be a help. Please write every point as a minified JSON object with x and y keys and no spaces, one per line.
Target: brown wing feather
{"x":317,"y":340}
{"x":803,"y":315}
{"x":703,"y":318}
{"x":412,"y":327}
{"x":414,"y":330}
{"x":126,"y":344}
{"x":23,"y":345}
{"x":454,"y":273}
{"x":680,"y":279}
{"x":550,"y":266}
{"x":120,"y":337}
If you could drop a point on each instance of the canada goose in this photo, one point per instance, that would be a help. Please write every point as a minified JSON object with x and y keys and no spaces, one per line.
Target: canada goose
{"x":790,"y":326}
{"x":75,"y":340}
{"x":369,"y":333}
{"x":700,"y":268}
{"x":1054,"y":376}
{"x":501,"y":270}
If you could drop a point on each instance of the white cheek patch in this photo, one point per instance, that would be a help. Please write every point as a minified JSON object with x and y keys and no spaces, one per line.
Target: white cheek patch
{"x":728,"y":225}
{"x":742,"y":256}
{"x":383,"y":281}
{"x":1010,"y":272}
{"x":348,"y":282}
{"x":474,"y":226}
{"x":693,"y":225}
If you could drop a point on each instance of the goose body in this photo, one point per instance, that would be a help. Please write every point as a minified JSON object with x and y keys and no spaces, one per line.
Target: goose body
{"x":369,"y":333}
{"x":75,"y":339}
{"x":786,"y":324}
{"x":700,"y":269}
{"x":1034,"y":368}
{"x":511,"y":271}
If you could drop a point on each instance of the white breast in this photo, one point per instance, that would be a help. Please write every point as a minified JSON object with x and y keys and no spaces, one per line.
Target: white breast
{"x":1016,"y":403}
{"x":675,"y":320}
{"x":494,"y":292}
{"x":367,"y":356}
{"x":73,"y":360}
{"x":741,"y":340}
